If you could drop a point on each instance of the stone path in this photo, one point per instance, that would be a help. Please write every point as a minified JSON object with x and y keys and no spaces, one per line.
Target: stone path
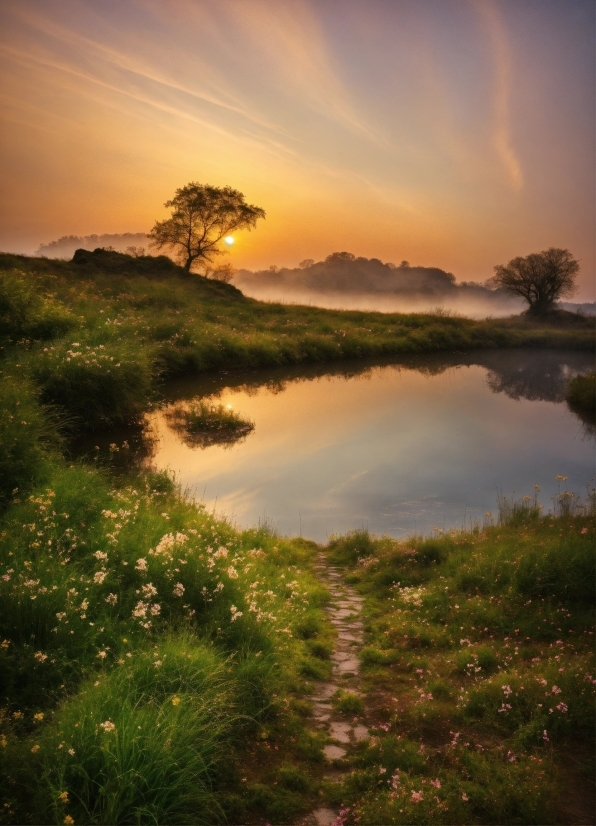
{"x":344,"y":612}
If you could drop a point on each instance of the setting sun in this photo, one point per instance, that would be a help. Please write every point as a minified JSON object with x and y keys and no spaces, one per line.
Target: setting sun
{"x":229,"y":240}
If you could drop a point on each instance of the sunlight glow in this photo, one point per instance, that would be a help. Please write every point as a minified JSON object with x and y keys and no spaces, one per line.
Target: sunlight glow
{"x":229,"y":240}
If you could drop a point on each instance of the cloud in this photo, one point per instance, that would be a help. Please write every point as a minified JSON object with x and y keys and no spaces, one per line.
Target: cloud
{"x":501,"y":91}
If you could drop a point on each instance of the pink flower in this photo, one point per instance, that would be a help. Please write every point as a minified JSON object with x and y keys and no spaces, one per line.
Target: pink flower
{"x":562,"y":707}
{"x":436,"y":783}
{"x":465,"y":797}
{"x":416,"y":797}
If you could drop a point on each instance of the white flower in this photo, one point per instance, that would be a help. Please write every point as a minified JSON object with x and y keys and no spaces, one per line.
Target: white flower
{"x":99,"y":577}
{"x":40,"y":656}
{"x":232,"y":572}
{"x":112,"y":599}
{"x":149,"y":590}
{"x":141,"y":564}
{"x":107,"y":726}
{"x":100,"y":555}
{"x":178,"y":589}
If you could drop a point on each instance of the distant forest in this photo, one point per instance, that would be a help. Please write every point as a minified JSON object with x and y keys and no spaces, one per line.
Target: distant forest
{"x":122,"y":242}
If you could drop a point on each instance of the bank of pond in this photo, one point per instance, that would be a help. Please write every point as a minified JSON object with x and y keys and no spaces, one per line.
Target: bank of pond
{"x":157,"y":658}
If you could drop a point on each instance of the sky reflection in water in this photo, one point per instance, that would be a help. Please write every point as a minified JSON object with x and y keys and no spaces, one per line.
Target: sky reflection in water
{"x":397,"y":448}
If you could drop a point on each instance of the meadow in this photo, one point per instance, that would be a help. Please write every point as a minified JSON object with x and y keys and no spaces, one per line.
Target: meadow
{"x":478,"y":670}
{"x":156,"y":661}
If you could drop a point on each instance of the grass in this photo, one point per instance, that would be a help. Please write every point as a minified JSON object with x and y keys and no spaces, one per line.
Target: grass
{"x":148,"y":650}
{"x":155,"y":660}
{"x":581,"y":396}
{"x":96,"y":335}
{"x":479,"y":669}
{"x":202,"y":423}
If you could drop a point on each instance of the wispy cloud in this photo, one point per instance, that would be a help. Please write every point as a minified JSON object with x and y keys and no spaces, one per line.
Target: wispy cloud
{"x":501,"y":91}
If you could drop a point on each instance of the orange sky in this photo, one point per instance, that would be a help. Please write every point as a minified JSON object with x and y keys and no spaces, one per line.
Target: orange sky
{"x":455,"y":133}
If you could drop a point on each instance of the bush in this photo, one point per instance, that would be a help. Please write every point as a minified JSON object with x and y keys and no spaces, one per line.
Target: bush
{"x":98,"y":386}
{"x":581,"y":396}
{"x":26,"y":314}
{"x":25,"y":434}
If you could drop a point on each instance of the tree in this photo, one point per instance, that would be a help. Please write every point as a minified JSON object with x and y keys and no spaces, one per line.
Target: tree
{"x":540,"y":278}
{"x":202,"y":216}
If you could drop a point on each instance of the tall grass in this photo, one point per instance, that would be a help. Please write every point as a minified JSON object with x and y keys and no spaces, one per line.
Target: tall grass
{"x":133,"y":607}
{"x":479,"y":662}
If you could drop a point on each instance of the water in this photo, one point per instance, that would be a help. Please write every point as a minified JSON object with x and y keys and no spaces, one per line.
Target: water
{"x":397,"y":448}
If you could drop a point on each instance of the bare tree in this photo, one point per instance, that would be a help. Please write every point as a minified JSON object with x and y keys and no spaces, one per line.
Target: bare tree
{"x":540,"y":278}
{"x":202,"y":215}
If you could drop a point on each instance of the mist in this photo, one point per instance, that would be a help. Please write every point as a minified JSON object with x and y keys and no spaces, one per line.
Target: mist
{"x":64,"y":247}
{"x":344,"y":281}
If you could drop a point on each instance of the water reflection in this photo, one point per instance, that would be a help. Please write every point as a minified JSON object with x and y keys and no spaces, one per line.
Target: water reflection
{"x":398,"y":447}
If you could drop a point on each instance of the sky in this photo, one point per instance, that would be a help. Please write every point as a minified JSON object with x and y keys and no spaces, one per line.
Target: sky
{"x":451,"y":133}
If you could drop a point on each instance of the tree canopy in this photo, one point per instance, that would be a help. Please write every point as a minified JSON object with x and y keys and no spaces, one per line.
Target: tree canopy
{"x":540,"y":277}
{"x":202,"y":215}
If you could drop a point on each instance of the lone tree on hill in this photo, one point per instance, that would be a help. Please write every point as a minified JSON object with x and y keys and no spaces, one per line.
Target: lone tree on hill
{"x":540,"y":278}
{"x":202,"y":216}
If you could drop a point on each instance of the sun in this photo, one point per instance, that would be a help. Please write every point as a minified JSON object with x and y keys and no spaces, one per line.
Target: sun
{"x":229,"y":240}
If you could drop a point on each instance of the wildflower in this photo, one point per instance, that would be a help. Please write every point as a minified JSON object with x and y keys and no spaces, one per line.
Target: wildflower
{"x":141,"y":564}
{"x":416,"y":797}
{"x":436,"y":783}
{"x":100,"y":555}
{"x":235,"y":613}
{"x":545,"y":736}
{"x":149,"y":590}
{"x":99,"y":577}
{"x":155,"y":609}
{"x":71,"y":752}
{"x":562,"y":707}
{"x":178,"y":589}
{"x":38,"y":717}
{"x":175,"y":701}
{"x":17,"y":715}
{"x":232,"y":572}
{"x":140,"y":609}
{"x":584,"y":530}
{"x":4,"y":644}
{"x":395,"y":780}
{"x":102,"y":654}
{"x":511,"y":758}
{"x":3,"y":741}
{"x":111,"y":599}
{"x":221,"y":552}
{"x":157,"y":663}
{"x":40,"y":656}
{"x":107,"y":726}
{"x":465,"y":797}
{"x":68,"y":820}
{"x":35,"y":748}
{"x":506,"y":690}
{"x":555,"y":689}
{"x":63,"y":796}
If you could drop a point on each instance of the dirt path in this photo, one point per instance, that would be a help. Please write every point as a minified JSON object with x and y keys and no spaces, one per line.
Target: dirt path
{"x":344,"y":612}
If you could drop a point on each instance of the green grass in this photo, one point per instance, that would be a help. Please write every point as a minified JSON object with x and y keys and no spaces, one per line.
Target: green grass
{"x":479,"y":669}
{"x":131,"y":606}
{"x":153,"y":319}
{"x":202,"y":423}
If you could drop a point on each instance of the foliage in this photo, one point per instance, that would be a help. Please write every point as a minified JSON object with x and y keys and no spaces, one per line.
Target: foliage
{"x":540,"y":278}
{"x":26,"y":435}
{"x":146,"y":648}
{"x":581,"y":396}
{"x":202,"y":423}
{"x":201,"y":216}
{"x":24,"y":314}
{"x":479,"y":663}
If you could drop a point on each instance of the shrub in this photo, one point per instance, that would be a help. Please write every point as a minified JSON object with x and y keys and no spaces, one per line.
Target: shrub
{"x":98,"y":386}
{"x":26,"y":314}
{"x":25,"y":436}
{"x":581,"y":396}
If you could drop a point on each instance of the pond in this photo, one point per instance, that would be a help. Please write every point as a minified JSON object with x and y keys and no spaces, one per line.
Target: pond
{"x":398,"y":447}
